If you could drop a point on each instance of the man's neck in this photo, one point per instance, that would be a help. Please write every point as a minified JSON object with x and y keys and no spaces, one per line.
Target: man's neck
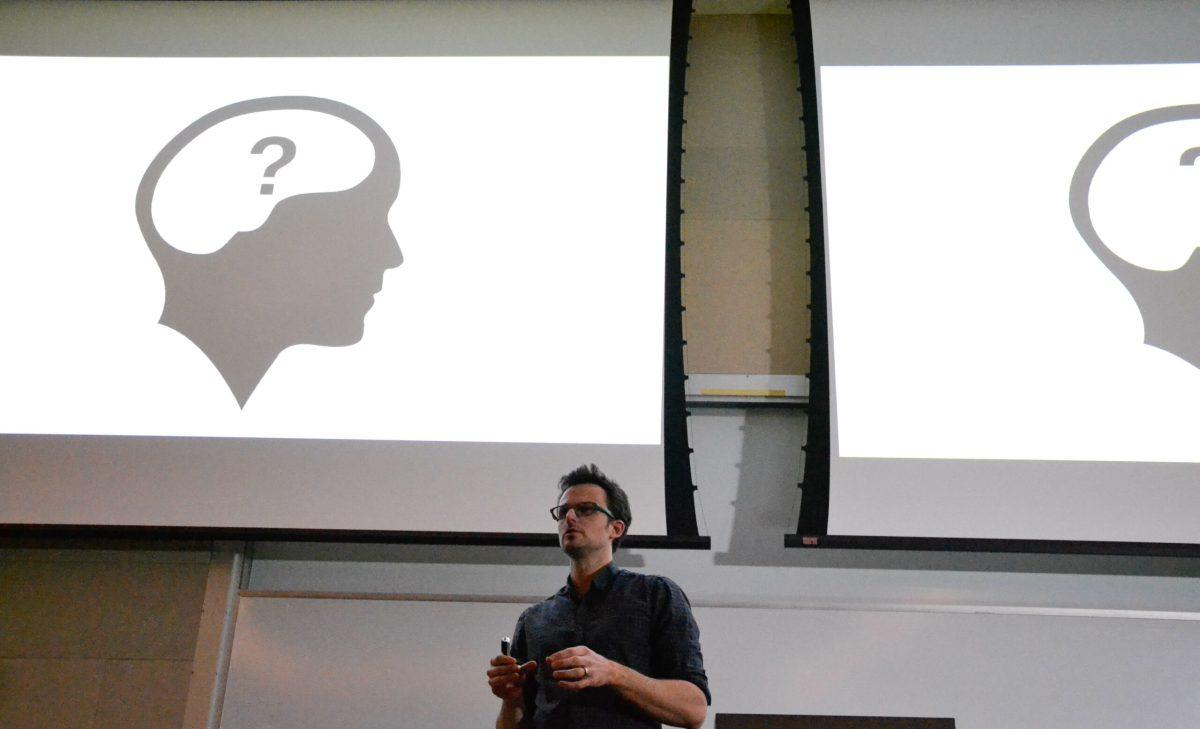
{"x":585,"y":569}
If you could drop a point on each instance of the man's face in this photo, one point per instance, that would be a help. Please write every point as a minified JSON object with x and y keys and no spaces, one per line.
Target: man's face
{"x":581,"y":535}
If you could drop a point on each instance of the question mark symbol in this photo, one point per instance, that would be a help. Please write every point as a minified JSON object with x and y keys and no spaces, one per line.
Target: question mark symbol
{"x":288,"y":149}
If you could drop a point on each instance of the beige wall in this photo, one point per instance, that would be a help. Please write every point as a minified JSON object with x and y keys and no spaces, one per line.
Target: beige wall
{"x":744,"y":224}
{"x":96,"y":638}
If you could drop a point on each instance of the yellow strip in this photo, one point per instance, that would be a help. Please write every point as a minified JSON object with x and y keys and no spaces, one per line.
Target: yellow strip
{"x":745,"y":393}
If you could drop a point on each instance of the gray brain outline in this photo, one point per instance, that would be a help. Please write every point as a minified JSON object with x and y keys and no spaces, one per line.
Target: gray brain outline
{"x":1169,"y":301}
{"x":290,"y":281}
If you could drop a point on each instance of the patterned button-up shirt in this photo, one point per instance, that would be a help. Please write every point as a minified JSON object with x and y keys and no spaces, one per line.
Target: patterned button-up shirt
{"x":641,"y":621}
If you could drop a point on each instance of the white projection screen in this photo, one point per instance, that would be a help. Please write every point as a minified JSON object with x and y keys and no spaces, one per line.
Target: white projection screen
{"x":1011,"y":204}
{"x":386,"y":267}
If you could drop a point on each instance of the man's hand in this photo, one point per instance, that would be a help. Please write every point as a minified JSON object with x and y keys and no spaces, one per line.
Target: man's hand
{"x":670,"y":701}
{"x":507,"y":679}
{"x":581,"y":667}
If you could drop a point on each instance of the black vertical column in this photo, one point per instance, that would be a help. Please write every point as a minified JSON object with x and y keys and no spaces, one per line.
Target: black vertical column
{"x":680,"y":499}
{"x":814,"y":500}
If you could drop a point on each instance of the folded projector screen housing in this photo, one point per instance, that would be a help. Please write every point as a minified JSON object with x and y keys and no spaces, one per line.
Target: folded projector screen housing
{"x":1010,"y":204}
{"x":380,"y":266}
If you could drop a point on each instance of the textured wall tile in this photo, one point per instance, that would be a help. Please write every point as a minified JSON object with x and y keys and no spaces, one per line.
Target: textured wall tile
{"x":152,"y":611}
{"x":50,"y":609}
{"x":100,"y":609}
{"x":49,"y":694}
{"x":143,"y":695}
{"x":746,"y":304}
{"x":756,"y":183}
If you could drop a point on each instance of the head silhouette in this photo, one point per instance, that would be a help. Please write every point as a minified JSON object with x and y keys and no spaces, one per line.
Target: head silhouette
{"x":1168,"y":300}
{"x":307,"y":275}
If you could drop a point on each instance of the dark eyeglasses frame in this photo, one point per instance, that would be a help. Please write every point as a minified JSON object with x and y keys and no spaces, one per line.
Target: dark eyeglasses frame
{"x":564,"y":509}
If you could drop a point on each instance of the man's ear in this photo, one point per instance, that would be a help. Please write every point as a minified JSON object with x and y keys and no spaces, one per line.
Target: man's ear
{"x":619,"y":526}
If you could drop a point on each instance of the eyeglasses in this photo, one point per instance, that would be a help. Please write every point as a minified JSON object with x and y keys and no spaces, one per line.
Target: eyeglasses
{"x":583,"y":510}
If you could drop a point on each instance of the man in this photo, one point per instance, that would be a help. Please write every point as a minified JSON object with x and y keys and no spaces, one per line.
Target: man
{"x":612,"y":648}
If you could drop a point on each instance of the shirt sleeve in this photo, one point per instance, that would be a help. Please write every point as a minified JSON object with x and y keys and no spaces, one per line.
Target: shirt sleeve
{"x":677,"y":638}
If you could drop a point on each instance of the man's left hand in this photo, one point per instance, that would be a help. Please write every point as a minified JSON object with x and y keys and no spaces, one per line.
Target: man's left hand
{"x":581,"y":667}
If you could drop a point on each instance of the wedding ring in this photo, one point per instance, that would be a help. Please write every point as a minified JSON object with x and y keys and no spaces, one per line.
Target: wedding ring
{"x":585,"y":674}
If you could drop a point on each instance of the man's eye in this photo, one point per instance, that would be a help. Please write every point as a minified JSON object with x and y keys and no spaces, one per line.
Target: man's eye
{"x":585,"y":509}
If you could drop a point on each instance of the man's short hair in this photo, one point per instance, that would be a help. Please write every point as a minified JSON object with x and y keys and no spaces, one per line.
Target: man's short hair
{"x":618,"y":501}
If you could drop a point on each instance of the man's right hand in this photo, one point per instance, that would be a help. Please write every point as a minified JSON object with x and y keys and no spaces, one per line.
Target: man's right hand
{"x":507,"y":679}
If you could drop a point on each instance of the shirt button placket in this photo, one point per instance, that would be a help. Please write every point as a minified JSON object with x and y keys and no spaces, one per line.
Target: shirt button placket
{"x":581,"y":613}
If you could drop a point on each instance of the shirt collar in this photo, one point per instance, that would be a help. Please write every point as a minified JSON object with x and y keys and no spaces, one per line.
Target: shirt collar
{"x":600,"y":582}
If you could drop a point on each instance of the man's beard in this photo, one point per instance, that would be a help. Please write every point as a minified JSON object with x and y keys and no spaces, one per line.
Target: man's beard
{"x":575,"y":551}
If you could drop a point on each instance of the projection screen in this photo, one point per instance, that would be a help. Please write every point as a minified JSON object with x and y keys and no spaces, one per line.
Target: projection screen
{"x":1010,"y":207}
{"x":341,"y":266}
